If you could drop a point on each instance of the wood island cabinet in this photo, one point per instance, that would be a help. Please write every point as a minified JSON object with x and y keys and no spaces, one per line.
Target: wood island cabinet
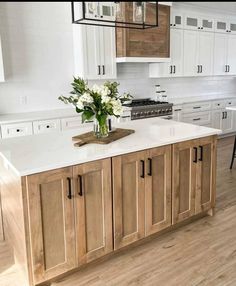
{"x":141,"y":194}
{"x":51,"y":223}
{"x":68,"y":217}
{"x":193,"y":172}
{"x":93,"y":204}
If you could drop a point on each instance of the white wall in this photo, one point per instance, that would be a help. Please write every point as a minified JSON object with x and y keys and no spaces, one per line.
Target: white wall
{"x":38,"y":61}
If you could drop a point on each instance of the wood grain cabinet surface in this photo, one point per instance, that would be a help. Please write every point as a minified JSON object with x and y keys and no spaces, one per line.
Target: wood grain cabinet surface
{"x":141,"y":194}
{"x":193,"y":177}
{"x":154,"y":42}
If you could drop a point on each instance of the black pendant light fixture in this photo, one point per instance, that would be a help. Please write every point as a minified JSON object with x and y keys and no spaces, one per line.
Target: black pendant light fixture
{"x":132,"y":15}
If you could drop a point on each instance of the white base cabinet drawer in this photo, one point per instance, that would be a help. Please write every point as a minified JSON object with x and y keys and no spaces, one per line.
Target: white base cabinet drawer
{"x":196,"y":107}
{"x":200,"y":118}
{"x":71,"y":123}
{"x":16,"y":129}
{"x":46,"y":126}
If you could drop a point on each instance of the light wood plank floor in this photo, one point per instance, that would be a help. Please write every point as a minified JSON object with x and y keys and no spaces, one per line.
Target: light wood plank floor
{"x":202,"y":253}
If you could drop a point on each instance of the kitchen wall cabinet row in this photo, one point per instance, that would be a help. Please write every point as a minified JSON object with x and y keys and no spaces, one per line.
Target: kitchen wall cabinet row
{"x":183,"y":19}
{"x":208,"y":113}
{"x":196,"y":53}
{"x":70,"y":210}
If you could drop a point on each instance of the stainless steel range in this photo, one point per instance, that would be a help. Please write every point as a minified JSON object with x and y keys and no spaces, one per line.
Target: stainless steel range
{"x":145,"y":108}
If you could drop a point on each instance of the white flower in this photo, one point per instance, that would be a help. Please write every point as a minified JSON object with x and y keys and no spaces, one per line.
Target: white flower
{"x":86,"y":97}
{"x":95,"y":88}
{"x":116,"y":107}
{"x":80,"y":105}
{"x":105,"y":99}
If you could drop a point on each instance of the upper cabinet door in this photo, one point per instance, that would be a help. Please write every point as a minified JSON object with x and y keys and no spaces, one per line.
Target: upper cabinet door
{"x":51,"y":219}
{"x":205,"y":52}
{"x":108,"y":53}
{"x":177,"y":51}
{"x":232,"y":27}
{"x":231,"y":59}
{"x":220,"y":54}
{"x":190,"y":52}
{"x":158,"y":189}
{"x":93,"y":203}
{"x":221,"y":26}
{"x":2,"y":78}
{"x":191,"y":22}
{"x":128,"y":198}
{"x":207,"y":24}
{"x":176,"y":19}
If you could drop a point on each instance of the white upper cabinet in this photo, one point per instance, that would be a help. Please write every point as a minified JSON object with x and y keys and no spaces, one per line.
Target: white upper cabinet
{"x":198,"y":22}
{"x":2,"y":79}
{"x":225,"y":26}
{"x":176,"y":19}
{"x":175,"y":67}
{"x":198,"y":53}
{"x":224,"y":54}
{"x":94,"y":52}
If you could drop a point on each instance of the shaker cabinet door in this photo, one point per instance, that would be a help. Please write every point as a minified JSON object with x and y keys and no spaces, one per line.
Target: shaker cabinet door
{"x":128,"y":198}
{"x":184,"y":163}
{"x":93,"y":206}
{"x":158,"y":189}
{"x":51,"y":223}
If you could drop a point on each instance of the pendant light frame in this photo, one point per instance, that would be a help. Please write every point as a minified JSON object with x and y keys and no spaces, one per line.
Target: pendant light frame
{"x":110,"y":23}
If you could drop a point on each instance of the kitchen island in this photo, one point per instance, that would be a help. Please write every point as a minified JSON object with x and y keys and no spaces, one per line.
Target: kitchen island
{"x":64,"y":207}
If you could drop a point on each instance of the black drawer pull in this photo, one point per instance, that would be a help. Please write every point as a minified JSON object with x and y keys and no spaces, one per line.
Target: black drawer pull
{"x":80,"y":193}
{"x":195,"y":155}
{"x":103,"y":69}
{"x":150,"y":167}
{"x":69,"y":195}
{"x":196,"y":119}
{"x":201,"y":153}
{"x":142,"y":168}
{"x":196,"y":107}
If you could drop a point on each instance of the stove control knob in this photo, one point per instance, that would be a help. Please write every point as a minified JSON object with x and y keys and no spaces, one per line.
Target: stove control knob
{"x":152,"y":112}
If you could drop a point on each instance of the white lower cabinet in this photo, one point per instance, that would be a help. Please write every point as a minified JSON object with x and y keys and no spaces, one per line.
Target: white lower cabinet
{"x":46,"y":126}
{"x":16,"y":129}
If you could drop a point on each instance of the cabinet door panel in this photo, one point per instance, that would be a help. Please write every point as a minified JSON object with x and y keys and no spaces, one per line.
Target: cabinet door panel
{"x":128,"y":198}
{"x":190,"y":52}
{"x":227,"y":122}
{"x":177,"y":49}
{"x":206,"y":55}
{"x":51,"y":216}
{"x":158,"y":190}
{"x":205,"y":198}
{"x":93,"y":209}
{"x":184,"y":181}
{"x":107,"y":53}
{"x":231,"y":61}
{"x":220,"y":54}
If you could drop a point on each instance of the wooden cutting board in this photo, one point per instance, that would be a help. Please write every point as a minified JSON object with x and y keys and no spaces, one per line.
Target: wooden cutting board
{"x":89,"y":137}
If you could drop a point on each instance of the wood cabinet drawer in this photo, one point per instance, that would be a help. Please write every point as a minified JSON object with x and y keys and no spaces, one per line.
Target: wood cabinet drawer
{"x":16,"y":129}
{"x":46,"y":126}
{"x":200,"y":118}
{"x":71,"y":123}
{"x":196,"y":107}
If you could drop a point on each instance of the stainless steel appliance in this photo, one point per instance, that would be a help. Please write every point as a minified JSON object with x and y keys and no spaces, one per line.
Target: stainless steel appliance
{"x":145,"y":108}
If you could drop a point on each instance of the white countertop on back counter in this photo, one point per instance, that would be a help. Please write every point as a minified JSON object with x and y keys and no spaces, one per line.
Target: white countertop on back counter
{"x":33,"y":154}
{"x":208,"y":97}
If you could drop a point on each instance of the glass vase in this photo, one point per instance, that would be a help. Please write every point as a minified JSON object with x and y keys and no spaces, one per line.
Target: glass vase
{"x":100,"y":130}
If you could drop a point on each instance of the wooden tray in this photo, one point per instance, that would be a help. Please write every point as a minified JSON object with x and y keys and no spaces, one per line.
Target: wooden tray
{"x":89,"y":137}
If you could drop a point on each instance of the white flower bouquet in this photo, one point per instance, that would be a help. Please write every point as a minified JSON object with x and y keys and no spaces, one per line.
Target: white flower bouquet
{"x":97,"y":102}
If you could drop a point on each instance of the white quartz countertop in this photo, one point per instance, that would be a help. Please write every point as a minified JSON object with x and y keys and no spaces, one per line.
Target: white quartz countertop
{"x":33,"y":154}
{"x":183,"y":100}
{"x":231,"y":108}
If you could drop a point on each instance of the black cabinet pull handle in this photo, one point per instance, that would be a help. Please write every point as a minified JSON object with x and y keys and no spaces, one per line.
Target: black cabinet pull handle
{"x":103,"y":69}
{"x":174,"y":69}
{"x":171,"y":69}
{"x":198,"y":68}
{"x":150,"y":167}
{"x":80,"y":193}
{"x":226,"y":68}
{"x":69,"y":195}
{"x":201,"y":69}
{"x":99,"y":70}
{"x":226,"y":114}
{"x":201,"y":153}
{"x":195,"y":155}
{"x":142,"y":168}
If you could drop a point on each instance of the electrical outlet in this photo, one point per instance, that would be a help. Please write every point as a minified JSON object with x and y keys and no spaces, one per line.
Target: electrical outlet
{"x":23,"y":100}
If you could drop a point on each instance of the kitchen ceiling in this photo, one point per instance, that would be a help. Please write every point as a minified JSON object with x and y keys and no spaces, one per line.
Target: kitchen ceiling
{"x":222,"y":5}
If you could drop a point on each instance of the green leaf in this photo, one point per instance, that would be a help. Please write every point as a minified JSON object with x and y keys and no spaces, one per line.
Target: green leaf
{"x":87,"y":115}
